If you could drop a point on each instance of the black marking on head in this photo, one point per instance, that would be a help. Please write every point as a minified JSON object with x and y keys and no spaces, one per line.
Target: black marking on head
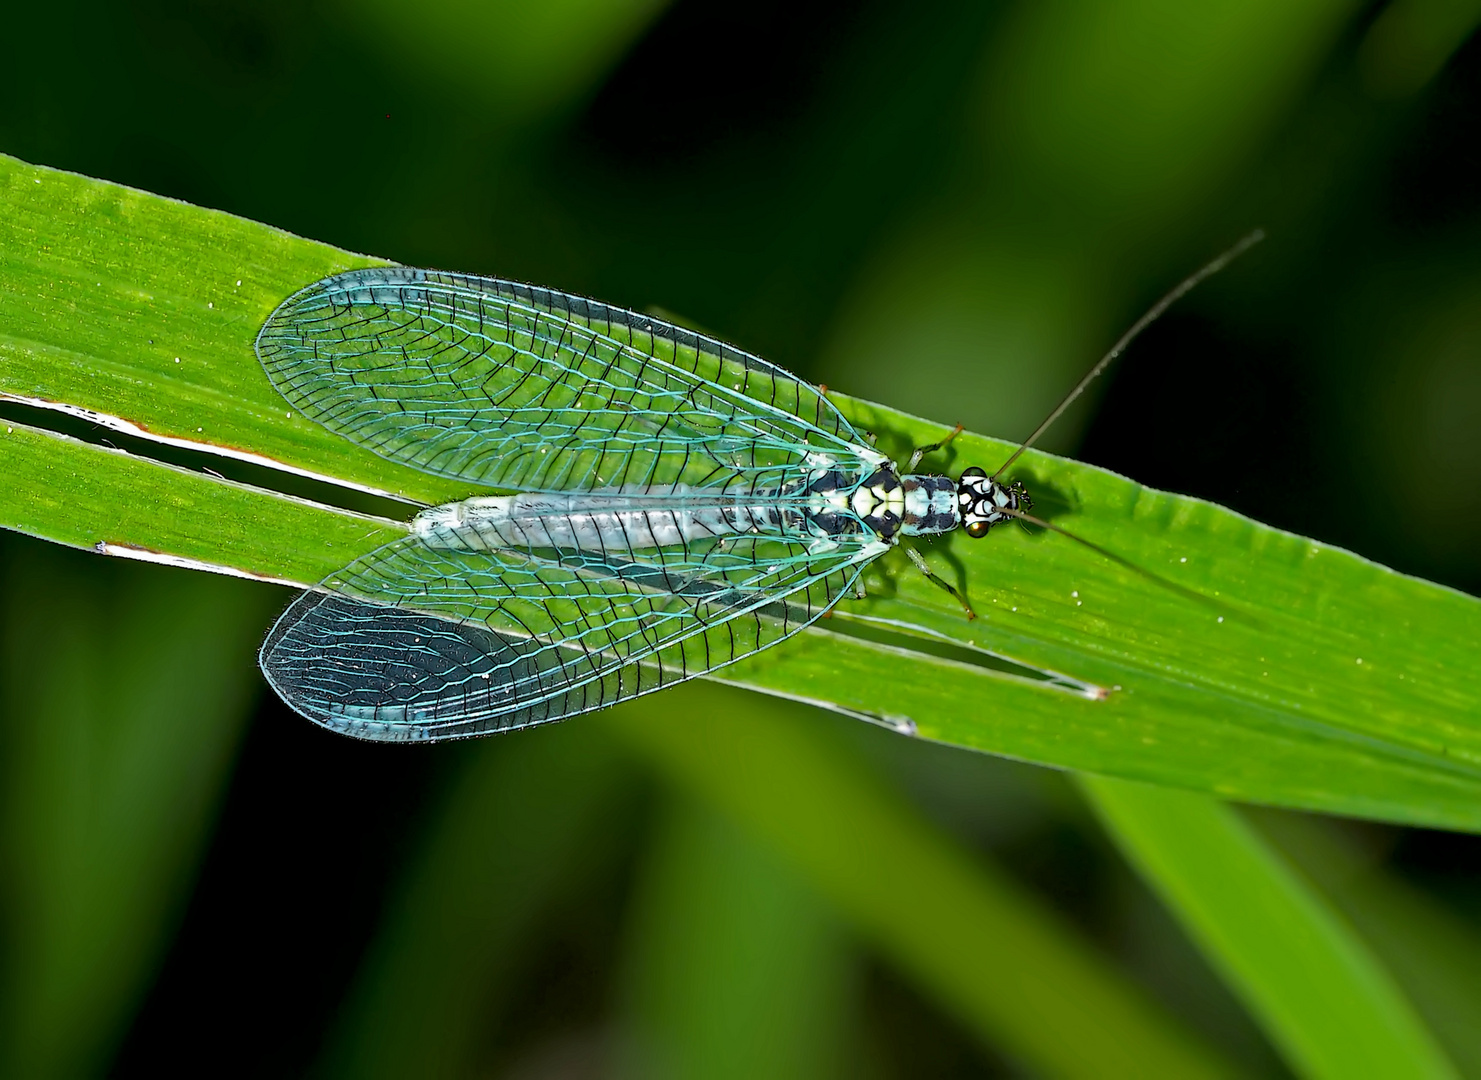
{"x":982,"y":500}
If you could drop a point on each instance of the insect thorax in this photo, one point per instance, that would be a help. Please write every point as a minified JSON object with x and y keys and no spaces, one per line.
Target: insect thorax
{"x":906,"y":505}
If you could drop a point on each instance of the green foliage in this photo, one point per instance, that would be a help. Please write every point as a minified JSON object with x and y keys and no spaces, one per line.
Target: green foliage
{"x":949,"y":207}
{"x":1226,"y":648}
{"x":1227,"y":657}
{"x":1323,"y":997}
{"x":123,"y":709}
{"x":946,"y":919}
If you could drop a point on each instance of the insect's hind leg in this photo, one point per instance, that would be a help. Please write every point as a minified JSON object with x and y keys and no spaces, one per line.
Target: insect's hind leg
{"x":921,"y":565}
{"x":922,"y":451}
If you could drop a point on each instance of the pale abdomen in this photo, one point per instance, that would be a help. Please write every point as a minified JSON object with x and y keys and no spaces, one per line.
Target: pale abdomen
{"x":610,"y":520}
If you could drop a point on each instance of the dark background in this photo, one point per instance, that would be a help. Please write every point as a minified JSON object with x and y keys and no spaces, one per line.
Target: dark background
{"x":950,"y":207}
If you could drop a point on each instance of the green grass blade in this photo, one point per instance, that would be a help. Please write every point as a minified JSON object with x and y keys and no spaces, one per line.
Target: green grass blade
{"x":515,"y":833}
{"x":991,"y":954}
{"x":736,"y":967}
{"x":1432,"y":949}
{"x":1320,"y":995}
{"x":1238,"y":659}
{"x":124,"y":698}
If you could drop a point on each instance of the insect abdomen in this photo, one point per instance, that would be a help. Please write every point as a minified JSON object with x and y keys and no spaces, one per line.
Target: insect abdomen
{"x":613,"y":520}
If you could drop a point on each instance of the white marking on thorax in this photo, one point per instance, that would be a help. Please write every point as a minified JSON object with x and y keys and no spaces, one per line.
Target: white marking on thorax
{"x":823,"y":502}
{"x":877,"y":501}
{"x":917,"y":502}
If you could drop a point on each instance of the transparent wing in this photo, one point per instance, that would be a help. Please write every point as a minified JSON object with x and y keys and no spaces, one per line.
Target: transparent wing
{"x":413,"y":643}
{"x":530,"y":389}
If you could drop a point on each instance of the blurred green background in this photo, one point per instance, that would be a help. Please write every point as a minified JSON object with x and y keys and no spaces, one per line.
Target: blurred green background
{"x":951,"y":207}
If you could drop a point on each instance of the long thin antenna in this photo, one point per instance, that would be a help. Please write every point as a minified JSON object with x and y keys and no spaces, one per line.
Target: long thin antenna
{"x":1007,"y":511}
{"x":1153,"y":314}
{"x":1120,"y":560}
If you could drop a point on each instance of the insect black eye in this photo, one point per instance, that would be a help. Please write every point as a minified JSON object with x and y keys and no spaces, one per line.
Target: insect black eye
{"x":977,"y":529}
{"x":973,"y":471}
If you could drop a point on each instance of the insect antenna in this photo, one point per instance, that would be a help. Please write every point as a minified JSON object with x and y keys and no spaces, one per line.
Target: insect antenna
{"x":1119,"y":560}
{"x":1008,"y":511}
{"x":1153,"y":314}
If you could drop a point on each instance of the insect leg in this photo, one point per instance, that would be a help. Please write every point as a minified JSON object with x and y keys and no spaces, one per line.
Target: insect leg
{"x":922,"y":451}
{"x":920,"y":564}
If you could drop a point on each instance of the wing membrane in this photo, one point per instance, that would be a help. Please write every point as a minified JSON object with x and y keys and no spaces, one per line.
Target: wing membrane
{"x":530,"y":389}
{"x":412,"y":643}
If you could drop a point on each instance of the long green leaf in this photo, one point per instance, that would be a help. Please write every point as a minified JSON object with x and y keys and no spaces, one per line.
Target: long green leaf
{"x":123,"y":697}
{"x":1236,"y":659}
{"x":1432,"y":950}
{"x":736,"y":967}
{"x":515,"y":833}
{"x":1321,"y":996}
{"x":1009,"y":969}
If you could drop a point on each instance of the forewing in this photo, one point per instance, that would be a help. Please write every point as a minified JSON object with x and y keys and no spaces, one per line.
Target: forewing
{"x":414,"y":643}
{"x":529,"y":389}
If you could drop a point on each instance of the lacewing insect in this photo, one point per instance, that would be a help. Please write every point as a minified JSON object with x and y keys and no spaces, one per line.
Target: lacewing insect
{"x":677,"y":504}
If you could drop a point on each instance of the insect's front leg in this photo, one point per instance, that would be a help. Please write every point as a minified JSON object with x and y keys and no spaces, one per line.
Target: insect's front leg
{"x":922,"y":451}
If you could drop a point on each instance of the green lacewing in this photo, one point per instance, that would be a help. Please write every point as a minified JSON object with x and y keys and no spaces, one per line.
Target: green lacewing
{"x":675,"y":504}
